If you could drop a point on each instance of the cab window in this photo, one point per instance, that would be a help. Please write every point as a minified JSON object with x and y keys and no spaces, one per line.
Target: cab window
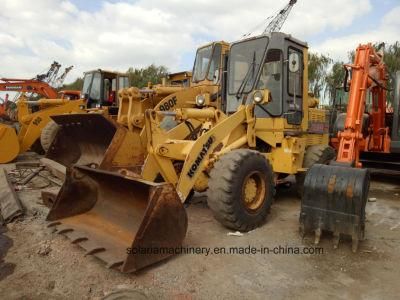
{"x":214,"y":64}
{"x":295,"y":79}
{"x":95,"y":91}
{"x":271,"y":74}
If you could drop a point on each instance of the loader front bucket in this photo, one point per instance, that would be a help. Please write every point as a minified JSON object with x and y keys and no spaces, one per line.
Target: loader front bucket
{"x":334,"y":200}
{"x":127,"y":223}
{"x":9,"y":145}
{"x":81,"y":139}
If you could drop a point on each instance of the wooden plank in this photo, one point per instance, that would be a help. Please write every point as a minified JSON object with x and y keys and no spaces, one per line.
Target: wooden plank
{"x":55,"y":168}
{"x":27,"y":164}
{"x":10,"y":205}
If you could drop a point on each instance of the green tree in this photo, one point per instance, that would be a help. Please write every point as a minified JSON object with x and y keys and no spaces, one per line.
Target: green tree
{"x":391,"y":58}
{"x":140,"y":77}
{"x":334,"y":80}
{"x":318,"y":66}
{"x":76,"y":85}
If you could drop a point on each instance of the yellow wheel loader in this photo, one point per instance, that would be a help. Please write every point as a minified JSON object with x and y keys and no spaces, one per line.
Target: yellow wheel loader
{"x":100,"y":92}
{"x":31,"y":125}
{"x":107,"y":144}
{"x":36,"y":129}
{"x":236,"y":154}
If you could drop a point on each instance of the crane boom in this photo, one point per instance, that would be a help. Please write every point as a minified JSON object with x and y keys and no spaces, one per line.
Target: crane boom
{"x":278,"y":21}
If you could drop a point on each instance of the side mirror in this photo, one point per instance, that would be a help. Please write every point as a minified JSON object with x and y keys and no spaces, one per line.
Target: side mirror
{"x":294,"y":62}
{"x":216,"y":76}
{"x":85,"y":96}
{"x":261,"y":96}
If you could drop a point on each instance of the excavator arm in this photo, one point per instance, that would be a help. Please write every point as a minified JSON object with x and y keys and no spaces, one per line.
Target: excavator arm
{"x":335,"y":196}
{"x":368,"y":74}
{"x":28,"y":86}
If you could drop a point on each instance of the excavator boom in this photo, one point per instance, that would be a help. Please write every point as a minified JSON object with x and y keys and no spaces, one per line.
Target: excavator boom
{"x":28,"y":86}
{"x":335,"y":196}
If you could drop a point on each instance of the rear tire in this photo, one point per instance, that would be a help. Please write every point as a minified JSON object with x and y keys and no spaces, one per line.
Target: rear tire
{"x":240,"y":189}
{"x":316,"y":154}
{"x":48,"y":134}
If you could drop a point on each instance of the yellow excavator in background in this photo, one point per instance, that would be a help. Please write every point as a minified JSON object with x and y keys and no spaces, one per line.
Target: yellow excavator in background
{"x":268,"y":128}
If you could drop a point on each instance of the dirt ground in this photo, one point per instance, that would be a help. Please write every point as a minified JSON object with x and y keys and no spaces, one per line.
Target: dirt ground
{"x":38,"y":264}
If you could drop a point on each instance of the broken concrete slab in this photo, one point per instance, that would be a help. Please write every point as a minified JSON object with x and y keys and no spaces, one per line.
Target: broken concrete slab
{"x":49,"y":196}
{"x":10,"y":205}
{"x":55,"y":168}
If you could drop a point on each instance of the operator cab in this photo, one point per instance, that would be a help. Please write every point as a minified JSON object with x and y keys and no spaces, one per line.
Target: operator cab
{"x":274,"y":64}
{"x":208,"y":63}
{"x":100,"y":87}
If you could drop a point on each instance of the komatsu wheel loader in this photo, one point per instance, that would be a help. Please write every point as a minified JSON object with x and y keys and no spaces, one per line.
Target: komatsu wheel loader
{"x":265,"y":130}
{"x":335,"y":196}
{"x":102,"y":142}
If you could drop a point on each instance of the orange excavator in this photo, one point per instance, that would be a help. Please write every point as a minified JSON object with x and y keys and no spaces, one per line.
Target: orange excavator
{"x":3,"y":105}
{"x":335,"y":195}
{"x":35,"y":86}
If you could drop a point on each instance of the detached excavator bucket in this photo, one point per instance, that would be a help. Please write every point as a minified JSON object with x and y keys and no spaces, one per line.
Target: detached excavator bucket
{"x":127,"y":223}
{"x":334,"y":200}
{"x":9,"y":145}
{"x":82,"y":139}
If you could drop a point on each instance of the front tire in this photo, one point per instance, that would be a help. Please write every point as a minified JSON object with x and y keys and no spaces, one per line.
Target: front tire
{"x":240,"y":189}
{"x":48,"y":134}
{"x":316,"y":154}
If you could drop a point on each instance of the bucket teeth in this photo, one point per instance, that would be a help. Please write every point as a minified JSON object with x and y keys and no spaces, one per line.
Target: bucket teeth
{"x":91,"y":247}
{"x":336,"y":239}
{"x":302,"y":231}
{"x":354,"y":243}
{"x":61,"y":229}
{"x":64,"y":230}
{"x":106,"y":214}
{"x":334,"y":199}
{"x":76,"y":237}
{"x":53,"y":224}
{"x":318,"y":232}
{"x":94,"y":251}
{"x":114,"y":265}
{"x":112,"y":259}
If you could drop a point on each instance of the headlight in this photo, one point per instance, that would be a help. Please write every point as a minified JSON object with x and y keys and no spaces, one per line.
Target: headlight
{"x":200,"y":100}
{"x":258,"y":97}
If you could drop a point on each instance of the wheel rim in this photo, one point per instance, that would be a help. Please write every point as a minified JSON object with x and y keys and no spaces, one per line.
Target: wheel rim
{"x":254,"y":191}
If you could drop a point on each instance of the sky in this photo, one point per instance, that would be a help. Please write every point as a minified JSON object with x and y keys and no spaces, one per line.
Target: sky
{"x":116,"y":35}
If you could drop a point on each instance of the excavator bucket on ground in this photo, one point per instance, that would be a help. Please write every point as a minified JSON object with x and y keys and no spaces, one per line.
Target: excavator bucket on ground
{"x":334,"y":200}
{"x":82,"y":139}
{"x":9,"y":144}
{"x":127,"y":223}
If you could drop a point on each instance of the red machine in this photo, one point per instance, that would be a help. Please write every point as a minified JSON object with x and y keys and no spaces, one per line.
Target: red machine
{"x":335,"y":196}
{"x":364,"y":128}
{"x":3,"y":104}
